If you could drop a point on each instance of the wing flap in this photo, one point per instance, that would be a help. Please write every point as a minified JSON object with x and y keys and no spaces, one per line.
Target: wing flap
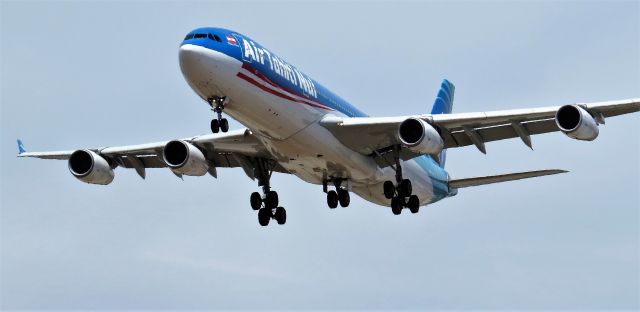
{"x":502,"y":132}
{"x":460,"y":183}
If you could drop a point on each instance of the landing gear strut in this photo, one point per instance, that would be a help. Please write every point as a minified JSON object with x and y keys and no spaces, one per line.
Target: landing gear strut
{"x":339,"y":196}
{"x":267,"y":203}
{"x":400,"y":192}
{"x":217,"y":105}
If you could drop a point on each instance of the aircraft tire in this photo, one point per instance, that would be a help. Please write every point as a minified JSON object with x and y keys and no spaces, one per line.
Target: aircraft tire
{"x":405,"y":188}
{"x":413,"y":204}
{"x":281,"y":215}
{"x":332,"y":199}
{"x":271,"y":199}
{"x":396,"y":205}
{"x":389,"y":189}
{"x":264,"y":215}
{"x":256,"y":200}
{"x":344,"y":198}
{"x":224,"y":125}
{"x":215,"y":126}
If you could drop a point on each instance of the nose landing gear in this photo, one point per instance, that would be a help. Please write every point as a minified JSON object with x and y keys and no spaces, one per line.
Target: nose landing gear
{"x":267,"y":203}
{"x":217,"y":105}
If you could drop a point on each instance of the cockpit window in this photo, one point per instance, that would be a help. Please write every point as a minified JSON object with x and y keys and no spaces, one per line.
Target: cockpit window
{"x":198,"y":36}
{"x":214,"y":37}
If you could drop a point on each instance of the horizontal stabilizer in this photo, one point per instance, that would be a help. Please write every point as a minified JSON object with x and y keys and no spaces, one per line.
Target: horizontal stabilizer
{"x":459,"y":183}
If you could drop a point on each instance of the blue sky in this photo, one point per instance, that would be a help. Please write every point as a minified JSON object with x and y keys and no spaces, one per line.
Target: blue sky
{"x":77,"y":75}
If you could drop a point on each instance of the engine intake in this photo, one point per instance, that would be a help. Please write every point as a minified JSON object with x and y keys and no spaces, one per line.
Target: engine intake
{"x":184,"y":158}
{"x":90,"y":167}
{"x":420,"y":137}
{"x":577,"y":123}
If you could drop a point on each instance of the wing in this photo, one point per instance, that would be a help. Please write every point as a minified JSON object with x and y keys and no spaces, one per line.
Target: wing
{"x":237,"y":148}
{"x":372,"y":135}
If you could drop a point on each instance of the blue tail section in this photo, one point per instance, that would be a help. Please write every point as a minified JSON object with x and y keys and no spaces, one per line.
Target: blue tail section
{"x":444,"y":101}
{"x":444,"y":105}
{"x":21,"y":148}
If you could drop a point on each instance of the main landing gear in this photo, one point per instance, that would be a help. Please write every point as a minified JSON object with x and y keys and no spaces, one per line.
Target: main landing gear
{"x":267,"y":203}
{"x":400,"y":193}
{"x":217,"y":105}
{"x":339,"y":196}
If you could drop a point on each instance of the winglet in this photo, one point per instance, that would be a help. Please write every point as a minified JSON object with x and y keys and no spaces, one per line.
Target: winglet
{"x":21,"y":148}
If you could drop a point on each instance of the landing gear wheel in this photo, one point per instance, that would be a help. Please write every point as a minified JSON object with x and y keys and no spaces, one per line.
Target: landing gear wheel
{"x":264,"y":215}
{"x":332,"y":199}
{"x":405,"y":188}
{"x":413,"y":204}
{"x":396,"y":205}
{"x":271,"y":199}
{"x":215,"y":125}
{"x":256,"y":200}
{"x":280,"y":215}
{"x":344,"y":198}
{"x":224,"y":125}
{"x":389,"y":189}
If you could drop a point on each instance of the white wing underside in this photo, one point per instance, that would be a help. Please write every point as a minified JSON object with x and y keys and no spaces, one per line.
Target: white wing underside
{"x":232,"y":149}
{"x":368,"y":135}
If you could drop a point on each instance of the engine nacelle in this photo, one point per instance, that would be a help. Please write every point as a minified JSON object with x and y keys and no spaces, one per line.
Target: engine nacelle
{"x":577,"y":123}
{"x":90,"y":167}
{"x":184,"y":158}
{"x":420,"y":137}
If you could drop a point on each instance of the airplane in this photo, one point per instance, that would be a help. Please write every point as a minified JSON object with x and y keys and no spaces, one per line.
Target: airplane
{"x":294,"y":125}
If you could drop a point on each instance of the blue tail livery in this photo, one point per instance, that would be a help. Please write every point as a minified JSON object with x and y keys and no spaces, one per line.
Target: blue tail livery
{"x":21,"y":148}
{"x":444,"y":105}
{"x":444,"y":101}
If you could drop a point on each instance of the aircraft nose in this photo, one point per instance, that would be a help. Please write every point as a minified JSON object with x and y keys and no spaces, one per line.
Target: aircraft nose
{"x":189,"y":57}
{"x":206,"y":70}
{"x":196,"y":64}
{"x":202,"y":60}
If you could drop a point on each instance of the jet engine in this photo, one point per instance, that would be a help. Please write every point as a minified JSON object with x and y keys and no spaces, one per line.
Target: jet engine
{"x":90,"y":167}
{"x":184,"y":158}
{"x":577,"y":123}
{"x":420,"y":137}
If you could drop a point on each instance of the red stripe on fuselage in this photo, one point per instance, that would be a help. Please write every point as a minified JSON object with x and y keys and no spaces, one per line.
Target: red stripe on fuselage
{"x":276,"y":93}
{"x":267,"y":80}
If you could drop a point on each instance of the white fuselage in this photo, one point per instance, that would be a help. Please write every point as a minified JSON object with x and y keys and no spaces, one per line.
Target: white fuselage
{"x":291,"y":131}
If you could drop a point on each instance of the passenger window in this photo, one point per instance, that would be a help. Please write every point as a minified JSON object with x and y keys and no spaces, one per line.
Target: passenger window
{"x":189,"y":36}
